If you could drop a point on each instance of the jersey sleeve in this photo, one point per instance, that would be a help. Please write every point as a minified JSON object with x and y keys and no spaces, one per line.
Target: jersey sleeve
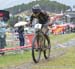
{"x":31,"y":19}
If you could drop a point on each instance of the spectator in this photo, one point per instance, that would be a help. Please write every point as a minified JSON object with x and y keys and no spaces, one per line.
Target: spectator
{"x":21,"y":35}
{"x":2,"y":35}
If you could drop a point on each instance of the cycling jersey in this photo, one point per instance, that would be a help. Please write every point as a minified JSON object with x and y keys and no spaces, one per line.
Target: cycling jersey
{"x":42,"y":17}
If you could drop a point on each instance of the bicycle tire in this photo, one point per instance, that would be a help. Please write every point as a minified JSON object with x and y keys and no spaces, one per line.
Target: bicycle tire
{"x":35,"y":58}
{"x":47,"y":55}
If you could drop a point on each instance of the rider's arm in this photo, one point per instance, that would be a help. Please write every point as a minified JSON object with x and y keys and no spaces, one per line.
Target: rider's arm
{"x":31,"y":19}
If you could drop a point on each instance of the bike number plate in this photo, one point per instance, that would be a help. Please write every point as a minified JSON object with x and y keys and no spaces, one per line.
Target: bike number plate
{"x":38,"y":26}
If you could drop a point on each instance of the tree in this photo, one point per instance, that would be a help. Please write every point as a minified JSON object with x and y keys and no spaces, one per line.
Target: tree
{"x":51,"y":6}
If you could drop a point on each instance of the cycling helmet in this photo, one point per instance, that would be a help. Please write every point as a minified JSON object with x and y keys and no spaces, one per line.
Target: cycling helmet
{"x":36,"y":9}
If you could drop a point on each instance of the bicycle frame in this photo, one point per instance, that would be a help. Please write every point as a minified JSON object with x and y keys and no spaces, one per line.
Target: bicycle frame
{"x":39,"y":34}
{"x":40,"y":43}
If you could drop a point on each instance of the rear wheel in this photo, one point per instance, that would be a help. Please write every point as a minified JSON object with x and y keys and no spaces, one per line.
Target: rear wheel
{"x":47,"y":47}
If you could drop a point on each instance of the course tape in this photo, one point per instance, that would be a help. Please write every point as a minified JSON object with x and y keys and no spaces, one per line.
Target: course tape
{"x":16,"y":48}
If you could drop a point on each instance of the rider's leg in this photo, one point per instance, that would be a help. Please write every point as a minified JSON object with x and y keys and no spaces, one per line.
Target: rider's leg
{"x":47,"y":37}
{"x":45,"y":31}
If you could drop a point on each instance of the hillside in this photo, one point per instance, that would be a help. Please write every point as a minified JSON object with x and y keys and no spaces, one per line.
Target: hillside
{"x":51,"y":6}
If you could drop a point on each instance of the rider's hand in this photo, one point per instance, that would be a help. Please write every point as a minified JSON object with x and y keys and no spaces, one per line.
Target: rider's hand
{"x":50,"y":24}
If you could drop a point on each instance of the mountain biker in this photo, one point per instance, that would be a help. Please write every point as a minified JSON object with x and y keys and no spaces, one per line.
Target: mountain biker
{"x":43,"y":18}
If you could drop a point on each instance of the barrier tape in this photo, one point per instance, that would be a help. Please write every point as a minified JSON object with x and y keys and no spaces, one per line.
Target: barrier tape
{"x":16,"y":48}
{"x":28,"y":40}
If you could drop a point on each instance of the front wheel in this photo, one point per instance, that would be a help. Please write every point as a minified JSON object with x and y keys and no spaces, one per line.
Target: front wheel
{"x":47,"y":46}
{"x":36,"y":50}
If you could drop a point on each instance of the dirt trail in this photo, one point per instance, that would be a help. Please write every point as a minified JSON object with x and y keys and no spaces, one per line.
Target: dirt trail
{"x":53,"y":56}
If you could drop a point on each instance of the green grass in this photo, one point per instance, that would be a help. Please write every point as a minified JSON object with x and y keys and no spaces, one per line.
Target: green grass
{"x":17,"y":59}
{"x":61,"y":38}
{"x":66,"y":61}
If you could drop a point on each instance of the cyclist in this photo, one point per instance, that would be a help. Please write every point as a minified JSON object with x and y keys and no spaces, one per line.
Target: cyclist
{"x":43,"y":18}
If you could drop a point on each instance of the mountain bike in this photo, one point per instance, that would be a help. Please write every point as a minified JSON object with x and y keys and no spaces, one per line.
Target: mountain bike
{"x":40,"y":44}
